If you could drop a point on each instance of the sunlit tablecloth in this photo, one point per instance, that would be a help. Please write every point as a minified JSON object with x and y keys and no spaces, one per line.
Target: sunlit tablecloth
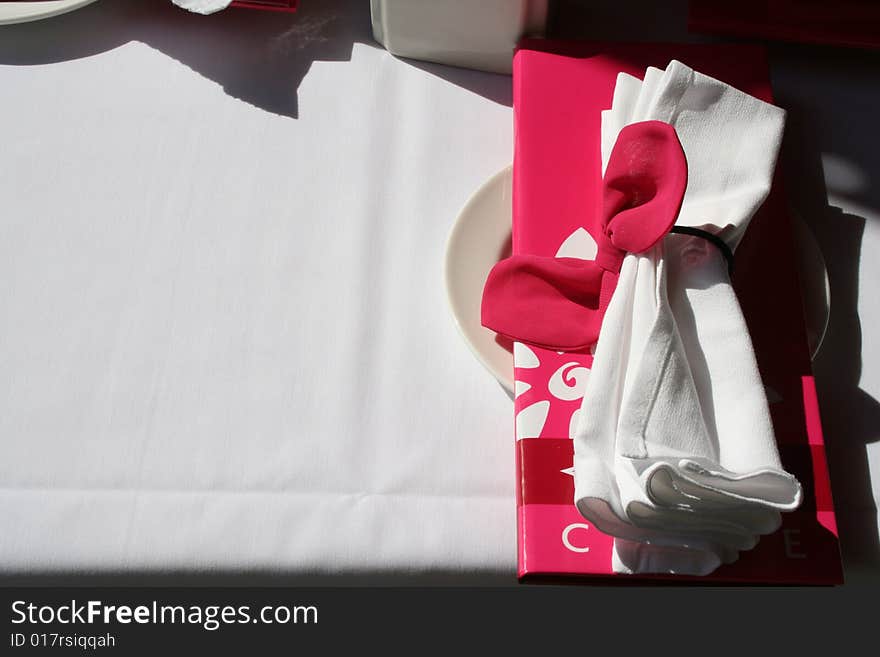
{"x":225,"y":342}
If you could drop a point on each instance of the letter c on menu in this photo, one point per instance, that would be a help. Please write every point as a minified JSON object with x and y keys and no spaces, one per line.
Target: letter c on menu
{"x":565,"y":537}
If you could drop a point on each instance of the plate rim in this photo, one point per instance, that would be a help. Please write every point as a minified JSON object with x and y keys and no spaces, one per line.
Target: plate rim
{"x":506,"y":382}
{"x":49,"y":10}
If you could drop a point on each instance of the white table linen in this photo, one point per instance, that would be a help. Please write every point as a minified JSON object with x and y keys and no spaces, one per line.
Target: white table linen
{"x":224,"y":339}
{"x":108,"y":112}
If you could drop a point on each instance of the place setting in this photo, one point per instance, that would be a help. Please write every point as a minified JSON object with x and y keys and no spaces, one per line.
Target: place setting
{"x":557,"y":301}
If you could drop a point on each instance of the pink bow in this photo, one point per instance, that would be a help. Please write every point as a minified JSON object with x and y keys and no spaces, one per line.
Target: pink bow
{"x":558,"y":303}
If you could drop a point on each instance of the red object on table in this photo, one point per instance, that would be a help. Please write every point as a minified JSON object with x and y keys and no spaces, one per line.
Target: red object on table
{"x":271,"y":5}
{"x":852,"y":23}
{"x":558,"y":303}
{"x":560,"y":90}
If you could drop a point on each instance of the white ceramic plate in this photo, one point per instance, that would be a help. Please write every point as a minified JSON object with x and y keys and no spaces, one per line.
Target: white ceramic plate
{"x":481,"y":237}
{"x":21,"y":12}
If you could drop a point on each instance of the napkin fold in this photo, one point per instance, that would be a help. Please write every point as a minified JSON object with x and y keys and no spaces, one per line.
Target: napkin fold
{"x":203,"y":6}
{"x":674,"y":451}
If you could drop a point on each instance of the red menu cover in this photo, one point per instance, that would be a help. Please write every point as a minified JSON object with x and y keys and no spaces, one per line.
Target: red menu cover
{"x":272,"y":5}
{"x":560,"y":90}
{"x":851,"y":23}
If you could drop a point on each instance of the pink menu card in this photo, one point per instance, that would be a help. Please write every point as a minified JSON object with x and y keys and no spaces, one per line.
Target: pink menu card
{"x":559,"y":91}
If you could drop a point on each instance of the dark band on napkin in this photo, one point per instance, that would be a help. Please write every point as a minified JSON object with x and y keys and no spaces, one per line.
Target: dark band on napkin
{"x":709,"y":237}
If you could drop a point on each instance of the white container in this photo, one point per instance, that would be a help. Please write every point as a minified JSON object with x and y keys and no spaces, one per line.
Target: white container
{"x":478,"y":34}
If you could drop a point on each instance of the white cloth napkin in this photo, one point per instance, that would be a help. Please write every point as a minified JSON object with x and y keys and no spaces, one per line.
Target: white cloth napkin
{"x":203,"y":6}
{"x":675,"y":453}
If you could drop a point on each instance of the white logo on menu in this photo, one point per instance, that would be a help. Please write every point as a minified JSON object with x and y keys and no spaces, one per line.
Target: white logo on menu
{"x":565,"y":537}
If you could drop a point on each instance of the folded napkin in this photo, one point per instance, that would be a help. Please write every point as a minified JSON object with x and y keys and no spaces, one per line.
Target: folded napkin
{"x":203,"y":6}
{"x":674,"y":451}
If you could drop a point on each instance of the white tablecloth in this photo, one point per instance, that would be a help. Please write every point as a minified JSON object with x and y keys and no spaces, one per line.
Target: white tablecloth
{"x":224,"y":340}
{"x":224,"y":343}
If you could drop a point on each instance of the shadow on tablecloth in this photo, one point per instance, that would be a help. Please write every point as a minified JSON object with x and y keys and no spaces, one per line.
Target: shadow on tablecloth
{"x":258,"y":57}
{"x":828,"y":159}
